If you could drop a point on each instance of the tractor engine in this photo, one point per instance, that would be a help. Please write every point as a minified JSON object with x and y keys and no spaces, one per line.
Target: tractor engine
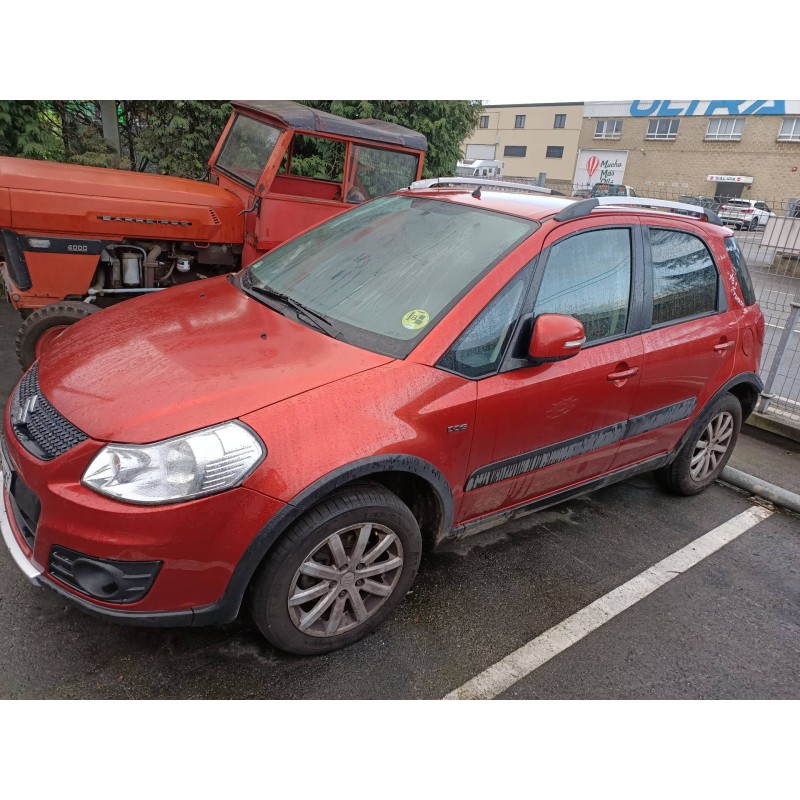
{"x":131,"y":267}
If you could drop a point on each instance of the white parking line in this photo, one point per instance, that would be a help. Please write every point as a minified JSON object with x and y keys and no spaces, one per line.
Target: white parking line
{"x":505,"y":673}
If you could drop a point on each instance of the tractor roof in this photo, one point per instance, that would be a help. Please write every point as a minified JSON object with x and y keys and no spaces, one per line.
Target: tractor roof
{"x":302,"y":118}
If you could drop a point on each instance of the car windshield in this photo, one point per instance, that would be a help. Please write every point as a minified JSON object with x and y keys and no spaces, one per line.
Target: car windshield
{"x":386,"y":272}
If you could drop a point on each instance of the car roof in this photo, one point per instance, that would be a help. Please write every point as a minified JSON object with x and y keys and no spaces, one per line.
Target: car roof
{"x":532,"y":206}
{"x":540,"y":207}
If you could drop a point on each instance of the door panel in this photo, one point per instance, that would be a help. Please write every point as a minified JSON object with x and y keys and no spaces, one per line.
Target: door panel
{"x":685,"y":360}
{"x":539,"y":429}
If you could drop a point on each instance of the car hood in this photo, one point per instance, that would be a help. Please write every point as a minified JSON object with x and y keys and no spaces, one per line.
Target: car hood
{"x":176,"y":361}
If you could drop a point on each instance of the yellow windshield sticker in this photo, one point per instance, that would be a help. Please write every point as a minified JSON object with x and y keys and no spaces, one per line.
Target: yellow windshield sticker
{"x":416,"y":319}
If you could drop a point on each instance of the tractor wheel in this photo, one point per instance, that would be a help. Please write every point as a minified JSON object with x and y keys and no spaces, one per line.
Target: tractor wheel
{"x":45,"y":324}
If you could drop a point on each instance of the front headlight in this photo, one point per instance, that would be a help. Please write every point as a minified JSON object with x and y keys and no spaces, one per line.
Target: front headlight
{"x":194,"y":465}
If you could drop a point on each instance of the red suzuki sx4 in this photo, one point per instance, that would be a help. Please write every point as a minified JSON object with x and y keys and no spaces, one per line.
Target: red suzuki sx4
{"x":293,"y":436}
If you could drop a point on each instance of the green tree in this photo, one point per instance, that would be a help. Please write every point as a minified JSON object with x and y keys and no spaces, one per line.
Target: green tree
{"x":445,"y":123}
{"x":176,"y":137}
{"x":26,"y":131}
{"x":172,"y":137}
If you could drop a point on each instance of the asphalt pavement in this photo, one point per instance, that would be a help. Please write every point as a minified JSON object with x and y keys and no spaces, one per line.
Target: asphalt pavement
{"x":727,"y":627}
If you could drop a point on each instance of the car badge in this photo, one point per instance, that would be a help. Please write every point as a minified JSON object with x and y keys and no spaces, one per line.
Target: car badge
{"x":28,"y":408}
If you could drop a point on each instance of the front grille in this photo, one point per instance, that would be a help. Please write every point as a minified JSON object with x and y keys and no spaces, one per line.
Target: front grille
{"x":39,"y":428}
{"x":25,"y":507}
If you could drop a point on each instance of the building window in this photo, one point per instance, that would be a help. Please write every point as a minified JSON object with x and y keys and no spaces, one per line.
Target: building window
{"x":790,"y":130}
{"x":515,"y":151}
{"x":662,"y":128}
{"x":485,"y":121}
{"x":554,"y":152}
{"x":519,"y":121}
{"x":608,"y":129}
{"x":560,"y":121}
{"x":725,"y":129}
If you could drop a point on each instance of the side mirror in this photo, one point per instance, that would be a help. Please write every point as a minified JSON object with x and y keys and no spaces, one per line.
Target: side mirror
{"x":555,"y":337}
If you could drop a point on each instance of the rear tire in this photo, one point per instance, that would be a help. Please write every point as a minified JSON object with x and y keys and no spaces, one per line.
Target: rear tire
{"x":706,"y":452}
{"x":45,"y":324}
{"x":309,"y":596}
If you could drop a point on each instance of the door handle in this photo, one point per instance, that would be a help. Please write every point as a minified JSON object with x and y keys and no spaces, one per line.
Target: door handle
{"x":623,"y":374}
{"x":722,"y":346}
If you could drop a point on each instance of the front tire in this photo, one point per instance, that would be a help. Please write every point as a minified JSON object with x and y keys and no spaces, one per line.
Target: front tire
{"x":706,"y":452}
{"x":42,"y":326}
{"x":338,"y":573}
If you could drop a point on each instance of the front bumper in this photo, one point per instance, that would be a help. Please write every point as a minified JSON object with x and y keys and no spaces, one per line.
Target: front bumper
{"x":198,"y":543}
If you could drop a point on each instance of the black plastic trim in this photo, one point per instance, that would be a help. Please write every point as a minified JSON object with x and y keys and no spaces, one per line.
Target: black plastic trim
{"x":156,"y":619}
{"x":498,"y":518}
{"x":579,"y":445}
{"x":17,"y":266}
{"x":228,"y":607}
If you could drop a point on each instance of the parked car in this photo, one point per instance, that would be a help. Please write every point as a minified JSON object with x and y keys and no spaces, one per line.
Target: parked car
{"x":747,"y":214}
{"x":612,"y":190}
{"x":426,"y":365}
{"x":700,"y":200}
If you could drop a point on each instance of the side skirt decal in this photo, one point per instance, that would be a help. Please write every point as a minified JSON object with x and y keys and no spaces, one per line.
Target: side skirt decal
{"x":579,"y":445}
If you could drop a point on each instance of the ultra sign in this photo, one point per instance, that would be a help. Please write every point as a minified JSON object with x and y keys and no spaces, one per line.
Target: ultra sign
{"x":706,"y":108}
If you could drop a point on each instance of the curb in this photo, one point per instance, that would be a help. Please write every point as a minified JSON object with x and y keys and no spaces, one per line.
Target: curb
{"x":767,"y":491}
{"x":773,"y":425}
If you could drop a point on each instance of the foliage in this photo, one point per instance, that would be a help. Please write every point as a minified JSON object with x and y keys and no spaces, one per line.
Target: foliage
{"x":445,"y":123}
{"x":177,"y":137}
{"x":166,"y":136}
{"x":173,"y":137}
{"x":25,"y":132}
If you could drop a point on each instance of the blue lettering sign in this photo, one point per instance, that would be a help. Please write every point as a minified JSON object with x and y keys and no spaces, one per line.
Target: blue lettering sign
{"x":666,"y":110}
{"x":643,"y":112}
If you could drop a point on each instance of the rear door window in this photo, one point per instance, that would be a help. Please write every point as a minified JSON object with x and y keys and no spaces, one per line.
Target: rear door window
{"x":685,"y":278}
{"x":742,"y":272}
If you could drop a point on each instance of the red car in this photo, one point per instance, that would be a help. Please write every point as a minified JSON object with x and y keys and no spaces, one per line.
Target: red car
{"x":414,"y":370}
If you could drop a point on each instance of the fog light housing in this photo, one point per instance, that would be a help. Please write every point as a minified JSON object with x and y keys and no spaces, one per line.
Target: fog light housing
{"x":103,"y":579}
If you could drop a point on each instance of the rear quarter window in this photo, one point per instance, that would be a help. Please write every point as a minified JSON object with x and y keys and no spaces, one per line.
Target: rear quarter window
{"x":742,"y":272}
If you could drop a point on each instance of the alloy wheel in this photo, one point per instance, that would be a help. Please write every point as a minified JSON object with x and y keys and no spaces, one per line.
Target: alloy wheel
{"x":712,"y":446}
{"x":345,"y":579}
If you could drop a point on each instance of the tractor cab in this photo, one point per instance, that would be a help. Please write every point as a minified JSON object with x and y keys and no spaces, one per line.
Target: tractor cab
{"x":292,"y":166}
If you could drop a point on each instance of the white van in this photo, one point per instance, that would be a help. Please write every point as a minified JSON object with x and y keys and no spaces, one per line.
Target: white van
{"x":479,"y":168}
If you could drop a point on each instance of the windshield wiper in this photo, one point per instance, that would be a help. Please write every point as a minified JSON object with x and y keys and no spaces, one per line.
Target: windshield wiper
{"x":319,"y":321}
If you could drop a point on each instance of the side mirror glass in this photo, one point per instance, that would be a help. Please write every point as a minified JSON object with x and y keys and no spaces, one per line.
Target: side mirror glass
{"x":556,"y":337}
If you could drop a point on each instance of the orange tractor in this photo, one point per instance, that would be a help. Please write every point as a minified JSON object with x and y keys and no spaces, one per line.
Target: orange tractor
{"x":77,"y":239}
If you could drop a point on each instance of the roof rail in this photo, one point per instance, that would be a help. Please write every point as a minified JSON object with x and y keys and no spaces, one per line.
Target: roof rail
{"x":585,"y":207}
{"x":432,"y":183}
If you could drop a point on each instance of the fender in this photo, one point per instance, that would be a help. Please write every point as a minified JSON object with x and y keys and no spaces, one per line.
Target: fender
{"x":227,"y":608}
{"x":747,"y":378}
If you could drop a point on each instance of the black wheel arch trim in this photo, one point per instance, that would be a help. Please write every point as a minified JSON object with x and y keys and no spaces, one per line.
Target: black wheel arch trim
{"x":743,"y":378}
{"x":228,"y":607}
